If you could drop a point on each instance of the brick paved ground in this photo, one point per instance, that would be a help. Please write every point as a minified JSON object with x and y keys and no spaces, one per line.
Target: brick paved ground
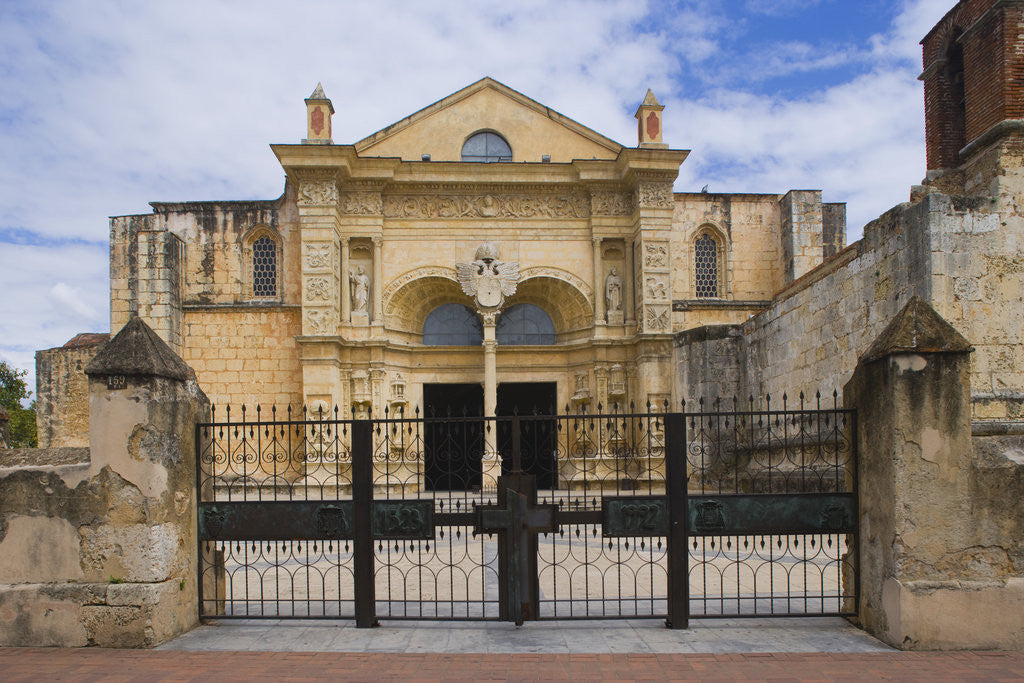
{"x":35,"y":664}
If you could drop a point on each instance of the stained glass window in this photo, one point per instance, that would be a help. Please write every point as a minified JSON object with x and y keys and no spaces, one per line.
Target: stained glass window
{"x":452,"y":325}
{"x":524,"y":324}
{"x":705,"y":251}
{"x":264,"y":267}
{"x":486,"y":147}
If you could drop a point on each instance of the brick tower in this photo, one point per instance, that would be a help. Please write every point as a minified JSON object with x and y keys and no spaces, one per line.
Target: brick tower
{"x":974,"y":92}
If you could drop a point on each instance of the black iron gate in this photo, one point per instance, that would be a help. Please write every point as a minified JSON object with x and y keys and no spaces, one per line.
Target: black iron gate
{"x":691,"y":514}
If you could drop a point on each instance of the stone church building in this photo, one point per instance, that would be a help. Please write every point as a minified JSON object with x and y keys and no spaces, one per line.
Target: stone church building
{"x":345,"y":291}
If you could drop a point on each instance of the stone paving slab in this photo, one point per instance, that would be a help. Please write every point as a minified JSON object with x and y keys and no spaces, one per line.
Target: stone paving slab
{"x":811,"y":634}
{"x":153,"y":666}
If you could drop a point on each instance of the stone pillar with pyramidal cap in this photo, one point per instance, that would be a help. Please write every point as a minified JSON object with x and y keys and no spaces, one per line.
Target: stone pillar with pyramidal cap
{"x":649,"y":127}
{"x":319,"y":111}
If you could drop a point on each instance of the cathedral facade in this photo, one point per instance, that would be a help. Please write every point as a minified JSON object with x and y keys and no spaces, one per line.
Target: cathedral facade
{"x":485,"y":251}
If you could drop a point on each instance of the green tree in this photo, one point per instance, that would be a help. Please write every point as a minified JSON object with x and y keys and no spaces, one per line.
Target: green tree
{"x":23,"y":420}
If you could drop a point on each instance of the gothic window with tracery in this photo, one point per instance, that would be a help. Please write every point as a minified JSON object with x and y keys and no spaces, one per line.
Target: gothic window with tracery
{"x":706,"y":267}
{"x":264,"y":267}
{"x":452,"y":325}
{"x":486,"y":147}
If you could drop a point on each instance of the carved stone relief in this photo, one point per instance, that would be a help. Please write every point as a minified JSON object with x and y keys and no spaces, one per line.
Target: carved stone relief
{"x":318,"y":289}
{"x":655,"y":254}
{"x":486,"y":206}
{"x":656,"y":318}
{"x":656,"y":288}
{"x":558,"y":274}
{"x":655,"y":195}
{"x":317,"y":255}
{"x":317,"y":193}
{"x":361,"y":203}
{"x":612,"y":204}
{"x":320,"y":320}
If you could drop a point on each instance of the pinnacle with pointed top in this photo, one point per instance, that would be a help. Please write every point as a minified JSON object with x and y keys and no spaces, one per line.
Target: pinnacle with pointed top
{"x":650,"y":99}
{"x":318,"y":93}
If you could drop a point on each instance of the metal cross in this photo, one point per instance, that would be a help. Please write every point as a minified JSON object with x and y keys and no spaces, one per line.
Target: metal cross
{"x":517,"y":522}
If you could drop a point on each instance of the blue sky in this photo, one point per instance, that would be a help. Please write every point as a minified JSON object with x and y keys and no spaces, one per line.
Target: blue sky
{"x":108,"y":105}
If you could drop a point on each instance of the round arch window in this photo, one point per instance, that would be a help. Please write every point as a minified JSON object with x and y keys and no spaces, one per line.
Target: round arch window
{"x":452,"y":325}
{"x":486,"y":147}
{"x":524,"y":324}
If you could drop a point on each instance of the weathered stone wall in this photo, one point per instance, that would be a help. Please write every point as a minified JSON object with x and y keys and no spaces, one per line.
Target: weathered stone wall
{"x":801,"y":227}
{"x":942,"y":513}
{"x":97,"y":544}
{"x":62,"y":391}
{"x":710,"y":369}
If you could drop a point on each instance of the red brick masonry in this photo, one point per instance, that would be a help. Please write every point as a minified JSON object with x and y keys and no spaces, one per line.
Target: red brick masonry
{"x":37,"y":664}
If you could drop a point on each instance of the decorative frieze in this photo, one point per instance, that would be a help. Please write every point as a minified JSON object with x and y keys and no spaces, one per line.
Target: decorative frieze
{"x":612,"y":204}
{"x":317,"y":193}
{"x":655,"y":195}
{"x":360,"y":203}
{"x":487,"y":206}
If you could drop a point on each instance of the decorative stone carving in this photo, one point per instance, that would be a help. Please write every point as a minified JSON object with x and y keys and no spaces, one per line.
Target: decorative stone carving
{"x":581,"y":395}
{"x":656,"y":254}
{"x":613,"y":291}
{"x":359,"y":283}
{"x":320,"y":320}
{"x":318,"y":289}
{"x":361,"y":203}
{"x":558,"y":274}
{"x":361,"y":397}
{"x":616,"y":382}
{"x":487,"y":279}
{"x":418,"y":274}
{"x":490,"y":318}
{"x":486,"y":206}
{"x":612,"y":204}
{"x":317,"y":193}
{"x":655,"y":195}
{"x":656,"y":288}
{"x":317,"y":255}
{"x":656,"y":318}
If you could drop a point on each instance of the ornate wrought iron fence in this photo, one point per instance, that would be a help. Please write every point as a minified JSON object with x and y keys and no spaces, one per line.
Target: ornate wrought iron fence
{"x":403,"y":517}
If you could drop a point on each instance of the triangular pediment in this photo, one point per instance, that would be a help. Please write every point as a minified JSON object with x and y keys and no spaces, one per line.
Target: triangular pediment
{"x":531,"y":129}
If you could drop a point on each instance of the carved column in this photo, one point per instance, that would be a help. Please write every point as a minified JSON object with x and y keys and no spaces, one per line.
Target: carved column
{"x":491,"y":460}
{"x":378,"y":282}
{"x":598,"y":284}
{"x":346,"y":292}
{"x":628,"y":298}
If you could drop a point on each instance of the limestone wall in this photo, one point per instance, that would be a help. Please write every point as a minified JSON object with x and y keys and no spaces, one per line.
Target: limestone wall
{"x":62,"y":391}
{"x":97,"y":544}
{"x":245,"y":355}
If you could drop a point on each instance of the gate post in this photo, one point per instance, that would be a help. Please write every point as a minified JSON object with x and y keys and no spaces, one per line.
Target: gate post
{"x":362,"y":544}
{"x":678,"y":524}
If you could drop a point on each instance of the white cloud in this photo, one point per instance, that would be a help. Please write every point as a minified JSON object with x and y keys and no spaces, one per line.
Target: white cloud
{"x":109,"y":105}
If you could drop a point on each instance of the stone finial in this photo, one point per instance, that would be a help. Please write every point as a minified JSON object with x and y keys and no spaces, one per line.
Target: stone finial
{"x":138,"y":351}
{"x":319,"y":111}
{"x":649,"y":120}
{"x":917,"y":328}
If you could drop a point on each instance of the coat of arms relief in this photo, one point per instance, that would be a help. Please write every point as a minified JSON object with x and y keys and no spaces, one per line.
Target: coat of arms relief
{"x":488,"y":280}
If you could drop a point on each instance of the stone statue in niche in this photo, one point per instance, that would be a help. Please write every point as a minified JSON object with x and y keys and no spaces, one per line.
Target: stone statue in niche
{"x":613,"y":290}
{"x":360,"y":282}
